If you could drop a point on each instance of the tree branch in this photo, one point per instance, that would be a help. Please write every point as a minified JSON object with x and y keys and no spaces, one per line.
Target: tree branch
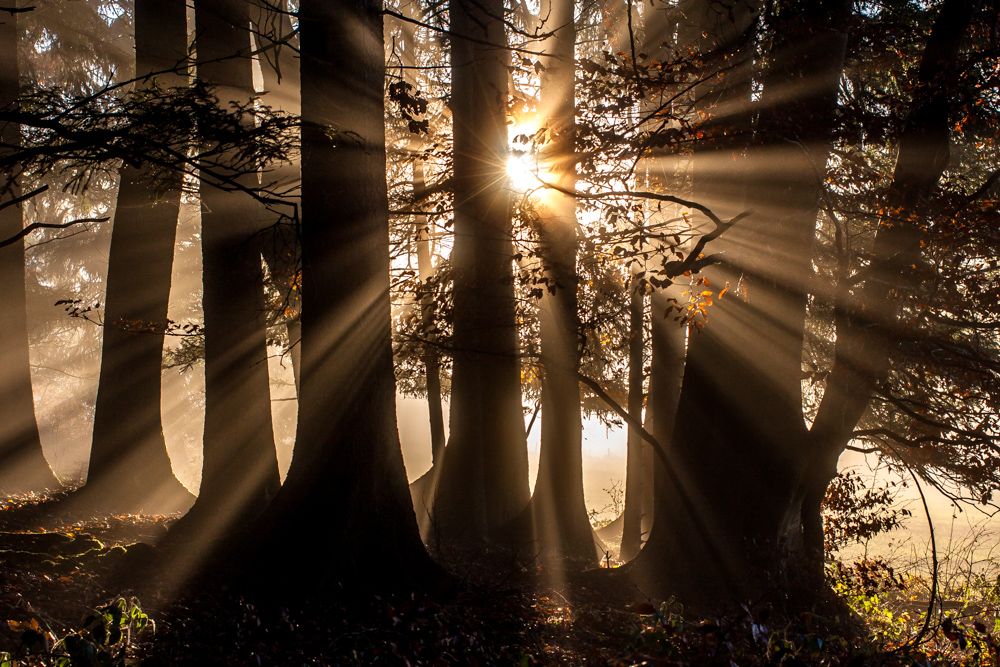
{"x":47,"y":225}
{"x":24,"y":197}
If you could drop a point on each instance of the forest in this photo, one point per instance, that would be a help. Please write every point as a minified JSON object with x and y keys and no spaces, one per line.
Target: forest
{"x":757,"y":238}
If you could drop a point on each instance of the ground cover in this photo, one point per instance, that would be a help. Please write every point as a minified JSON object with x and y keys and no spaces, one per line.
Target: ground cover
{"x":66,"y":599}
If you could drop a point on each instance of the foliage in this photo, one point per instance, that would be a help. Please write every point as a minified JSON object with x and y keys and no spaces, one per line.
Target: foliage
{"x":933,"y":409}
{"x":103,"y":639}
{"x":613,"y":509}
{"x":172,"y":130}
{"x":855,"y":512}
{"x":963,"y":630}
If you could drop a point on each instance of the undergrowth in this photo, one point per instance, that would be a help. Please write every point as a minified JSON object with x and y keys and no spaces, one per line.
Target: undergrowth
{"x":903,"y":609}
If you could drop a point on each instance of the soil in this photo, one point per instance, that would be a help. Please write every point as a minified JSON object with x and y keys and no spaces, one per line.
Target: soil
{"x":61,"y":577}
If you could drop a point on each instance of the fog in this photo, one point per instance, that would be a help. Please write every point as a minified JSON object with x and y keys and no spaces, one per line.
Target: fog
{"x":603,"y":452}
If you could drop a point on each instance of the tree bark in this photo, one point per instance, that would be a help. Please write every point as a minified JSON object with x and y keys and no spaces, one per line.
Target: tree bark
{"x":23,"y":468}
{"x":347,"y":457}
{"x":240,"y":473}
{"x":867,"y":319}
{"x":129,"y":467}
{"x":739,"y":445}
{"x":634,"y":478}
{"x":483,"y":483}
{"x":432,"y":364}
{"x":558,"y":506}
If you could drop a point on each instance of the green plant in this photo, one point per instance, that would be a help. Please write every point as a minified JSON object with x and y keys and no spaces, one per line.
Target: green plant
{"x":102,"y":640}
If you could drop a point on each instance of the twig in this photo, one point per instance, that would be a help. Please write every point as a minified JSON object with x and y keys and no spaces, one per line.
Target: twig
{"x":47,"y":225}
{"x":534,"y":415}
{"x":631,"y":41}
{"x":934,"y":559}
{"x":25,"y":197}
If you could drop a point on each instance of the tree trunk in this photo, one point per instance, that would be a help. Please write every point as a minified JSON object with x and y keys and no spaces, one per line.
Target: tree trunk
{"x":129,"y":467}
{"x":632,"y":520}
{"x":483,"y":483}
{"x":347,"y":457}
{"x":23,"y":468}
{"x":732,"y":501}
{"x":240,"y":473}
{"x":642,"y":468}
{"x":558,"y":506}
{"x":867,"y":319}
{"x":422,"y":489}
{"x":432,"y":365}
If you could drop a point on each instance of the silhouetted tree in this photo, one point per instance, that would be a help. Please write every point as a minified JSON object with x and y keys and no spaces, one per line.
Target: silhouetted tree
{"x":718,"y":524}
{"x":483,"y":483}
{"x":129,"y":467}
{"x":347,"y":458}
{"x":240,"y":473}
{"x":867,"y":323}
{"x":23,"y":467}
{"x":558,"y":507}
{"x":634,"y":477}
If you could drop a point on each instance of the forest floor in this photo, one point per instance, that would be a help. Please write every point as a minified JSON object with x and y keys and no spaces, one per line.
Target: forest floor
{"x":64,"y":605}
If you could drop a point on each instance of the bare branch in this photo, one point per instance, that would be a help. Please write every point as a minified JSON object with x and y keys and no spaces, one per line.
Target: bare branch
{"x":24,"y":197}
{"x":47,"y":225}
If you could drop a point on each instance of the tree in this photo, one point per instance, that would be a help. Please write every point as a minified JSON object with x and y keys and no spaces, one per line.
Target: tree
{"x":708,"y":537}
{"x":425,"y":266}
{"x":419,"y":326}
{"x":557,"y":504}
{"x":347,"y":457}
{"x":866,"y":333}
{"x":240,"y":473}
{"x":129,"y":467}
{"x":483,"y":483}
{"x":23,"y":467}
{"x":634,"y":463}
{"x":432,"y":363}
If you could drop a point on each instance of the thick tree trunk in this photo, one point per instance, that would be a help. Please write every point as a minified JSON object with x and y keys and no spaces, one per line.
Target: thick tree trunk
{"x":867,"y":318}
{"x":740,"y":447}
{"x":23,"y":468}
{"x":347,"y":457}
{"x":240,"y":473}
{"x":129,"y":467}
{"x":634,"y":478}
{"x":558,"y":506}
{"x":483,"y":483}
